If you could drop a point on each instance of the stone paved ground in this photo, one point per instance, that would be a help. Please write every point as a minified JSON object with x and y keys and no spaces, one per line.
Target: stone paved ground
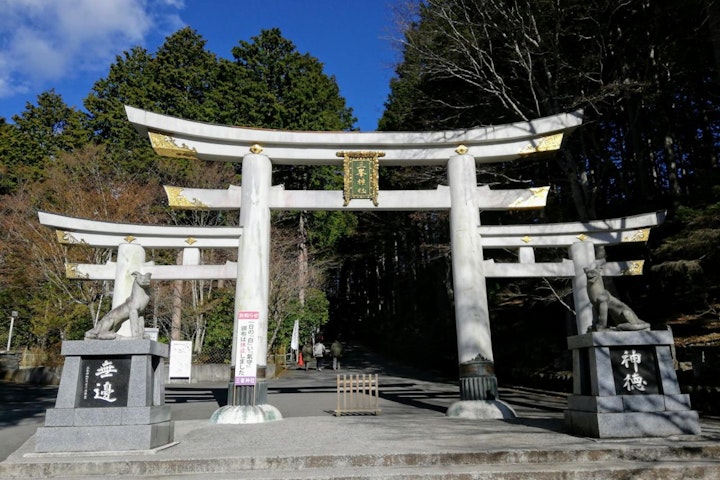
{"x":410,"y":439}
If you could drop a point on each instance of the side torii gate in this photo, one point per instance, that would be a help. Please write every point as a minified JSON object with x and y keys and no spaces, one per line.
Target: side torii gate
{"x":130,"y":240}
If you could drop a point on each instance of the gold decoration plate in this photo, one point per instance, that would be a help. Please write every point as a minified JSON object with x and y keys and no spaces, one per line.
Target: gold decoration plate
{"x":361,"y":175}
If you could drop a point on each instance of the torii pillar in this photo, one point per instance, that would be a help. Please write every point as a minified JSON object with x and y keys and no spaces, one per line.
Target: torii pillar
{"x":130,"y":258}
{"x":247,"y":399}
{"x":478,"y":384}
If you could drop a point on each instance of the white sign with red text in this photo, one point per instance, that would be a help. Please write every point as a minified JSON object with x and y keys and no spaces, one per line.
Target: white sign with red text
{"x":246,"y":359}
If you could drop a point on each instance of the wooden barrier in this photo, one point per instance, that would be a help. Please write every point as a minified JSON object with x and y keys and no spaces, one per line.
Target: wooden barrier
{"x":357,"y":394}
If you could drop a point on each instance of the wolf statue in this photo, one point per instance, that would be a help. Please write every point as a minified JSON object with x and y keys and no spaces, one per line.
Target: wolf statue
{"x":607,"y":306}
{"x":131,"y":309}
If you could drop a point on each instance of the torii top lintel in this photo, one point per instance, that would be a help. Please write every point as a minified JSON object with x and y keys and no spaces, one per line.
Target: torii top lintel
{"x":175,"y":137}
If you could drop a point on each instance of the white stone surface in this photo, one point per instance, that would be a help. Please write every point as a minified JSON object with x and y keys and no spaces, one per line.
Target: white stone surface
{"x":253,"y":285}
{"x":392,"y":200}
{"x":112,"y":234}
{"x":481,"y":409}
{"x":226,"y":143}
{"x":243,"y":414}
{"x":472,"y":318}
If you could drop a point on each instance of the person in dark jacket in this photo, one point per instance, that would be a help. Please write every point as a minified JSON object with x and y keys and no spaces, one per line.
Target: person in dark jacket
{"x":336,"y":350}
{"x":307,"y":353}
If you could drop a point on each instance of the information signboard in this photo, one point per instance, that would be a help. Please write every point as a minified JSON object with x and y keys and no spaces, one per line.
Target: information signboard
{"x":180,"y":359}
{"x":246,"y":353}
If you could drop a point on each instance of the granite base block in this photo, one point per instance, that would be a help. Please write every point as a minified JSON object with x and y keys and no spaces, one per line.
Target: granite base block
{"x":87,"y":417}
{"x":628,"y":403}
{"x":632,"y":424}
{"x":110,"y":398}
{"x":625,"y":387}
{"x":103,"y":438}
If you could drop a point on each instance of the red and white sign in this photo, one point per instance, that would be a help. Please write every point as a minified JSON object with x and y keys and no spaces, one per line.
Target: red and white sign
{"x":246,"y":353}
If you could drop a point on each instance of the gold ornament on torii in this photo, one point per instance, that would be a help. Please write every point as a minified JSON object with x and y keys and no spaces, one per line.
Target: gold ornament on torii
{"x":361,"y":175}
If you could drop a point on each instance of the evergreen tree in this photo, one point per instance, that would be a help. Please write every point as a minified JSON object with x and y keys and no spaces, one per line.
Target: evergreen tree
{"x":176,"y":81}
{"x":292,"y":93}
{"x":38,"y":136}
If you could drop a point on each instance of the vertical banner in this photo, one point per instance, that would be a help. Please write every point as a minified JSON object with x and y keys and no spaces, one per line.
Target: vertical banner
{"x":295,"y":340}
{"x":246,"y":359}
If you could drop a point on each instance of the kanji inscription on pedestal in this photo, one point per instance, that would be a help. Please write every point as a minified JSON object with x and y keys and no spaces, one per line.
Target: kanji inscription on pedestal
{"x":104,"y":382}
{"x":634,"y":370}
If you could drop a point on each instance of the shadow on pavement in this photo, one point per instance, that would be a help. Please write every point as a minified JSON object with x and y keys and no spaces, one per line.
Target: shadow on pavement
{"x":23,"y":402}
{"x":193,"y":394}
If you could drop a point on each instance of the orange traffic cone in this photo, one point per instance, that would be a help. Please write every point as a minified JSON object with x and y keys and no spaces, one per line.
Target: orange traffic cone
{"x":300,"y":360}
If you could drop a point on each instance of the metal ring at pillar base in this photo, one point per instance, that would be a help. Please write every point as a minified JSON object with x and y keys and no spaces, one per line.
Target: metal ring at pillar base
{"x":248,"y":394}
{"x":477,"y":368}
{"x":477,"y":380}
{"x":479,"y":388}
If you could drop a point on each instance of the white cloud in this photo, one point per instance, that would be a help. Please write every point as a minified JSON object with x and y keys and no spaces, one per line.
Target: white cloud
{"x":42,"y":41}
{"x":179,"y":4}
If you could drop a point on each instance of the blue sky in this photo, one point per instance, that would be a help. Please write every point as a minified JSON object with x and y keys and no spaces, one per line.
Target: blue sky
{"x":69,"y":44}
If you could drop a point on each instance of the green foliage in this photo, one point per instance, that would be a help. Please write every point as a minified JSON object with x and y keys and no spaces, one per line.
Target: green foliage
{"x":53,"y":319}
{"x":39,"y":135}
{"x":10,"y":163}
{"x":326,"y":228}
{"x":290,"y":89}
{"x":176,"y":81}
{"x":219,"y":326}
{"x":686,"y":263}
{"x":312,"y":316}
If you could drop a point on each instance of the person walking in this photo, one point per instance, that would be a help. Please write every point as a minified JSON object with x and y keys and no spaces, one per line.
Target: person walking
{"x":319,"y":352}
{"x":336,"y":349}
{"x":307,"y":353}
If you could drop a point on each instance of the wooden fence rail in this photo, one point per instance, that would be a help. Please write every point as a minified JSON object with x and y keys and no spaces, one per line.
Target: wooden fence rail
{"x":357,"y":394}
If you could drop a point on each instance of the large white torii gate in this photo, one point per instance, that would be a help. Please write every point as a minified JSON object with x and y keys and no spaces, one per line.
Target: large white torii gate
{"x":459,"y":150}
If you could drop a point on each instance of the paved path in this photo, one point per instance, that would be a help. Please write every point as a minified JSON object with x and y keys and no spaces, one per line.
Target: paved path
{"x":411,"y":433}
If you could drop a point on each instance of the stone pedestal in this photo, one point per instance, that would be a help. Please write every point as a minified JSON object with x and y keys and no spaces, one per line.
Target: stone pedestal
{"x":111,"y":398}
{"x":624,"y":385}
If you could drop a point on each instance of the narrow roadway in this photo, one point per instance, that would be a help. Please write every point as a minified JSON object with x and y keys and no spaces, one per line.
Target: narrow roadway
{"x":296,"y":393}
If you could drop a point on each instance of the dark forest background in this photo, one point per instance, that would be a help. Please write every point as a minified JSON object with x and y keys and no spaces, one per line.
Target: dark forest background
{"x":646,"y":74}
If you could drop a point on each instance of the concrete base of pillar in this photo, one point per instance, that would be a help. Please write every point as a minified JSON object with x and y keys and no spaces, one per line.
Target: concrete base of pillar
{"x":481,"y":409}
{"x":243,"y":414}
{"x":105,"y":438}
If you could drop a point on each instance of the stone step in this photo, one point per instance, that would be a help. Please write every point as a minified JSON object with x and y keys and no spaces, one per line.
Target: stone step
{"x":660,"y":462}
{"x":705,"y":469}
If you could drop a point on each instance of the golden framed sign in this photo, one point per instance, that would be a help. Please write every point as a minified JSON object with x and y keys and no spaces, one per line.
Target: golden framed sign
{"x":361,"y":175}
